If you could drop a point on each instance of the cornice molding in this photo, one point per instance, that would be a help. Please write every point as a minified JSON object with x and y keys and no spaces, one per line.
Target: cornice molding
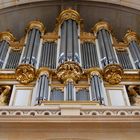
{"x":88,"y":113}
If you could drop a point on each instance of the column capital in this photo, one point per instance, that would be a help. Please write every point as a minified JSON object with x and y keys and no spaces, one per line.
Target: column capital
{"x":37,"y":25}
{"x":7,"y":36}
{"x":101,"y":25}
{"x":130,"y":36}
{"x":94,"y":71}
{"x":43,"y":71}
{"x":68,"y":14}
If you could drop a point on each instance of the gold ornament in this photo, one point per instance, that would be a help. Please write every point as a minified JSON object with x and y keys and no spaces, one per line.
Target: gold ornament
{"x":94,"y":71}
{"x":69,"y":70}
{"x":121,"y":46}
{"x":68,"y":14}
{"x":101,"y":25}
{"x":113,"y":73}
{"x":43,"y":70}
{"x":50,"y":37}
{"x":130,"y":36}
{"x":7,"y":36}
{"x":37,"y":25}
{"x":17,"y":45}
{"x":4,"y":93}
{"x":25,"y":73}
{"x":87,"y":37}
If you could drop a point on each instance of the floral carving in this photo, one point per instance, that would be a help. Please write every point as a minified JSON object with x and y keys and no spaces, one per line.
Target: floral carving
{"x":113,"y":73}
{"x":25,"y":73}
{"x":69,"y":70}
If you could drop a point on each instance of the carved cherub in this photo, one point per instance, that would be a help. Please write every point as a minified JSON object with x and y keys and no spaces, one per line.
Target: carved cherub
{"x":134,"y":92}
{"x":4,"y":92}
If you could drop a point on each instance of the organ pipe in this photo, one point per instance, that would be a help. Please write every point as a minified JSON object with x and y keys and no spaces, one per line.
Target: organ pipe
{"x":42,"y":87}
{"x":96,"y":86}
{"x":31,"y":47}
{"x":88,"y":59}
{"x":13,"y":59}
{"x":69,"y":90}
{"x":69,"y":47}
{"x":5,"y":39}
{"x":48,"y":55}
{"x":124,"y":59}
{"x":133,"y":43}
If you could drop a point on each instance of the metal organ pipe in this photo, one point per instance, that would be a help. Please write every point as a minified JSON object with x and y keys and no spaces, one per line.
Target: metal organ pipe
{"x":5,"y":38}
{"x":13,"y":59}
{"x":48,"y":54}
{"x":31,"y":48}
{"x":69,"y":49}
{"x":42,"y":88}
{"x":69,"y":90}
{"x":106,"y":49}
{"x":132,"y":39}
{"x":96,"y":88}
{"x":89,"y":55}
{"x":35,"y":30}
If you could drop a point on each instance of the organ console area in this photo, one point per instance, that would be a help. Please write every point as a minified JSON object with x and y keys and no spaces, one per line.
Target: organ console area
{"x":69,"y":65}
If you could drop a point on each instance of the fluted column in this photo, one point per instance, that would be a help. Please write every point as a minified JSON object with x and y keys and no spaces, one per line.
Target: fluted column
{"x":5,"y":39}
{"x":69,"y":22}
{"x":113,"y":71}
{"x":133,"y":42}
{"x":25,"y":72}
{"x":42,"y":86}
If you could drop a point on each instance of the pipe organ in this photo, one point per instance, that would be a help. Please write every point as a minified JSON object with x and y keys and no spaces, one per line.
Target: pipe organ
{"x":69,"y":65}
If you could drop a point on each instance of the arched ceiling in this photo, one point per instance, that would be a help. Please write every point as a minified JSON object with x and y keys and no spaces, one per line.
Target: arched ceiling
{"x":121,"y":14}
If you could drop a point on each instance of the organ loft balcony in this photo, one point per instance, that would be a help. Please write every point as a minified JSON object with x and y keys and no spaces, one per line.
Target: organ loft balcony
{"x":69,"y":71}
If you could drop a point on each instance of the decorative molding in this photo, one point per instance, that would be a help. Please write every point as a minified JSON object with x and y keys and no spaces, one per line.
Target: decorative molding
{"x":87,"y":37}
{"x":50,"y":37}
{"x":130,"y":36}
{"x":54,"y":113}
{"x":36,"y":24}
{"x":7,"y":36}
{"x":68,"y":14}
{"x":101,"y":25}
{"x":121,"y":46}
{"x":17,"y":45}
{"x":43,"y":70}
{"x":94,"y":71}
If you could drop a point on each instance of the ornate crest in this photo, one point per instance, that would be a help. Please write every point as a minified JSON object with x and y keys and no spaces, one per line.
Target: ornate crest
{"x":69,"y":70}
{"x":25,"y":73}
{"x":113,"y":73}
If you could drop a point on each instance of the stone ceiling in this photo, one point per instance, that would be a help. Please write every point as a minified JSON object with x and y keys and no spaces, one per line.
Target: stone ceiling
{"x":16,"y":14}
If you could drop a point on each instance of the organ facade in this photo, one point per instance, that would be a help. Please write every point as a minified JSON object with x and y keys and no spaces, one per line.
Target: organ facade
{"x":69,"y":72}
{"x":69,"y":65}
